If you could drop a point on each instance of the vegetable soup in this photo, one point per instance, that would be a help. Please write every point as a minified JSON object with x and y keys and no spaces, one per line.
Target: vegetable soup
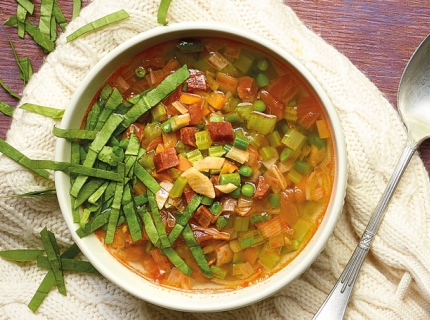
{"x":225,"y":160}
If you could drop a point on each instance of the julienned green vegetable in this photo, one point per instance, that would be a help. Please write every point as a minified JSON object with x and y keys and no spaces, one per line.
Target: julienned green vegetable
{"x":8,"y":90}
{"x":99,"y":23}
{"x":162,"y":11}
{"x":6,"y":109}
{"x":44,"y":111}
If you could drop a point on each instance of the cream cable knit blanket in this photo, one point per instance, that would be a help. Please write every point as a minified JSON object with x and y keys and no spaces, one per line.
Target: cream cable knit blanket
{"x":395,"y":280}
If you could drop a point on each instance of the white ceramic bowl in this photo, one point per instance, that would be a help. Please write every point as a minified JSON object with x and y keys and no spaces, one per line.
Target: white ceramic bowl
{"x":116,"y":272}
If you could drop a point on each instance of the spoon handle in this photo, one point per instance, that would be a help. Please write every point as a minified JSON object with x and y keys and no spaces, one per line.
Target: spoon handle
{"x":335,"y":304}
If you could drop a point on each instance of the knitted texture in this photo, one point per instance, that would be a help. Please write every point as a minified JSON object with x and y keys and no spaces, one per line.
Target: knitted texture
{"x":394,"y":282}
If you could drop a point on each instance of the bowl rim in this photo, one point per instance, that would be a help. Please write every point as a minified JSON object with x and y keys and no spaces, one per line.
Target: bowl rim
{"x":203,"y":302}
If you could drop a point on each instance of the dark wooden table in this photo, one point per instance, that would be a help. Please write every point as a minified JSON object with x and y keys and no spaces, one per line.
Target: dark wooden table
{"x":377,"y":36}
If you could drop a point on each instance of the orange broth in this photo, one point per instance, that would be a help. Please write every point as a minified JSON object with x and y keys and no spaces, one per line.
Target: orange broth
{"x":257,"y":117}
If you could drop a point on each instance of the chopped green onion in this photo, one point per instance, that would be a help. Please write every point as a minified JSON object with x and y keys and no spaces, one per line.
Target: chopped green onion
{"x":216,"y":208}
{"x":99,"y":23}
{"x":227,"y":178}
{"x":241,"y":142}
{"x":140,"y":72}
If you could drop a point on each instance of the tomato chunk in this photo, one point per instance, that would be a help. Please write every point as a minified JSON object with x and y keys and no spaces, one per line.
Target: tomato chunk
{"x":165,"y":160}
{"x":221,"y":132}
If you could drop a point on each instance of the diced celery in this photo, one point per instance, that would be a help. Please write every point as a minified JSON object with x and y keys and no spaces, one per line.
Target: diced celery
{"x":203,"y":140}
{"x":261,"y":122}
{"x":301,"y":228}
{"x":244,"y":62}
{"x":302,"y":167}
{"x":216,"y":151}
{"x":293,"y":139}
{"x":257,"y":217}
{"x":267,"y":152}
{"x":291,"y":114}
{"x":274,"y":139}
{"x":239,"y":257}
{"x":249,"y":238}
{"x":159,"y":112}
{"x":233,"y":117}
{"x":207,"y":201}
{"x":269,"y":259}
{"x":241,"y":223}
{"x":294,"y":176}
{"x":194,"y":155}
{"x":147,"y":161}
{"x":178,"y":187}
{"x":244,"y":110}
{"x":215,"y":118}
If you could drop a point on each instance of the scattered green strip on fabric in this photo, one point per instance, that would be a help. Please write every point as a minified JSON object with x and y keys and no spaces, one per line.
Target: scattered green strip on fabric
{"x":40,"y":38}
{"x":21,"y":255}
{"x":99,"y":23}
{"x":162,"y":11}
{"x":77,"y":4}
{"x":22,"y":159}
{"x":6,"y":109}
{"x":4,"y":85}
{"x":44,"y":111}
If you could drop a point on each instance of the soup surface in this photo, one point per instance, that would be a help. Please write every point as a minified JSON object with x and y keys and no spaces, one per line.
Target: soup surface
{"x":226,"y":165}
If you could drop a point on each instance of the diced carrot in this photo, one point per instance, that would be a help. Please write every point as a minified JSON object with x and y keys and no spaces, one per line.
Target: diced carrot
{"x":184,"y":163}
{"x":154,"y":143}
{"x":216,"y":100}
{"x":169,"y":140}
{"x":300,"y":190}
{"x":134,"y":254}
{"x":195,"y":111}
{"x":189,"y":98}
{"x":251,"y":255}
{"x":118,"y":240}
{"x":159,"y":149}
{"x":162,"y":176}
{"x":288,"y":211}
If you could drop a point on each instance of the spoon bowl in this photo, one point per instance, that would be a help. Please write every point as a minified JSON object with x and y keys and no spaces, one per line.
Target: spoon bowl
{"x":413,"y":101}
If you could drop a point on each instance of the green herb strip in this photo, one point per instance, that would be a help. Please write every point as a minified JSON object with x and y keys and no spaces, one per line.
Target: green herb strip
{"x":53,"y":254}
{"x":44,"y":111}
{"x":21,"y":255}
{"x":98,"y":24}
{"x":23,"y":160}
{"x":40,"y":38}
{"x":6,"y":109}
{"x":162,"y":12}
{"x":73,"y":134}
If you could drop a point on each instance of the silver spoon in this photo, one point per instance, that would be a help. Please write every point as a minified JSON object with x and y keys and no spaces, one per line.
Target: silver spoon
{"x":413,"y":100}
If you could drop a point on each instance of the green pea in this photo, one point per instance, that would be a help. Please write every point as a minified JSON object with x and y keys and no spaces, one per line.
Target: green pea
{"x":263,"y":64}
{"x":259,"y":105}
{"x":235,"y":193}
{"x":262,"y":80}
{"x":248,"y":190}
{"x":246,"y":171}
